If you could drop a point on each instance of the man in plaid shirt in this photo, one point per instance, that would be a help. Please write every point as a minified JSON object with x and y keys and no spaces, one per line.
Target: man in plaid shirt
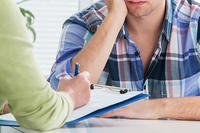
{"x":143,"y":45}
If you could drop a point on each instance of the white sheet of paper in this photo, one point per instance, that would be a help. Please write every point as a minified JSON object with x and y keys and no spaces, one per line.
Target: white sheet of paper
{"x":100,"y":98}
{"x":8,"y":117}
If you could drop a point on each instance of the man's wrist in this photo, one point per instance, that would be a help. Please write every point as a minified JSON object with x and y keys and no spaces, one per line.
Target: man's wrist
{"x":157,"y":108}
{"x":161,"y":108}
{"x":118,"y":17}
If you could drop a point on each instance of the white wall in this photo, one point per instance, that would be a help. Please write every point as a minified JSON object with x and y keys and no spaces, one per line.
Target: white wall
{"x":49,"y":17}
{"x":84,"y":3}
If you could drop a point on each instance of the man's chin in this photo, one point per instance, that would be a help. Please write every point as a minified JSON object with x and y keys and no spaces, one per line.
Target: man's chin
{"x":138,"y":14}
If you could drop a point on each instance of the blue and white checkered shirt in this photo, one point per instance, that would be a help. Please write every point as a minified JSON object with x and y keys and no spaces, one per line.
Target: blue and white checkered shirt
{"x":174,"y":70}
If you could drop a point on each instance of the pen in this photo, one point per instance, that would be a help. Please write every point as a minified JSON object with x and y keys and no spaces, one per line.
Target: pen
{"x":76,"y":72}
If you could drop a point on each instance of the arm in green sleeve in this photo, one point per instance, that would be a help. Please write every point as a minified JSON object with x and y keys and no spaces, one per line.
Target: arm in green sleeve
{"x":34,"y":104}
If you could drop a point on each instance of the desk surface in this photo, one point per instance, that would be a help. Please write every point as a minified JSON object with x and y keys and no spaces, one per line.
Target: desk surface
{"x":101,"y":125}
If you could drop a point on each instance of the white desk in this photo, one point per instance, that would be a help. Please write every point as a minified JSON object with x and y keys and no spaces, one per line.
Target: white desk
{"x":100,"y":125}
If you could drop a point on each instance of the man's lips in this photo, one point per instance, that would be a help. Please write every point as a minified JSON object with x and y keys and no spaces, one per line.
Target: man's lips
{"x":136,"y":2}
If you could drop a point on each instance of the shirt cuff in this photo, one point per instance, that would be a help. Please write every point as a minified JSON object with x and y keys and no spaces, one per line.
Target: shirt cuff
{"x":64,"y":69}
{"x":61,"y":70}
{"x":68,"y":99}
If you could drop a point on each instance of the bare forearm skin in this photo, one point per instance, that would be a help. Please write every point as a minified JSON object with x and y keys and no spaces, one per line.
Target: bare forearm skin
{"x":94,"y":55}
{"x":187,"y":108}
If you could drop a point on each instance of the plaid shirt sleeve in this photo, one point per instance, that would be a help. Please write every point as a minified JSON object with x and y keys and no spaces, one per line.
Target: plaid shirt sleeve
{"x":73,"y":38}
{"x":198,"y":34}
{"x":77,"y":31}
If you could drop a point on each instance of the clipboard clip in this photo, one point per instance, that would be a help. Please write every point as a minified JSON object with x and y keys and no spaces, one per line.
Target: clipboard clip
{"x":112,"y":88}
{"x":94,"y":86}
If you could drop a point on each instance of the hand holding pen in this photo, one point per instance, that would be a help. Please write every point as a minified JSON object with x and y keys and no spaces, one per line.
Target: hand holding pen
{"x":78,"y":88}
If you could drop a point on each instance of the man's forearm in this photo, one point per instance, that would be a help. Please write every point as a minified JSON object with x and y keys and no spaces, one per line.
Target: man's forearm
{"x":94,"y":55}
{"x":187,"y":108}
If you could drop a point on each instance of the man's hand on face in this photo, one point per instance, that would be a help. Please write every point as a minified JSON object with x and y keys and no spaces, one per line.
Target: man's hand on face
{"x":118,"y":7}
{"x":77,"y":88}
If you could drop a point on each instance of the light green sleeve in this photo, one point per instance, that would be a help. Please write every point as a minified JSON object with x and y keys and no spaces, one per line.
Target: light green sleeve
{"x":34,"y":104}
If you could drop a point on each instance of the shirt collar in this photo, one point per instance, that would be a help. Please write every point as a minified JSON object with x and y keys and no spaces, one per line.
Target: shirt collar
{"x":167,"y":23}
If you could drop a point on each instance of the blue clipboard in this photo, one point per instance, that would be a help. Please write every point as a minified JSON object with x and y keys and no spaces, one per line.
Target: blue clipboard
{"x":109,"y":108}
{"x":93,"y":114}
